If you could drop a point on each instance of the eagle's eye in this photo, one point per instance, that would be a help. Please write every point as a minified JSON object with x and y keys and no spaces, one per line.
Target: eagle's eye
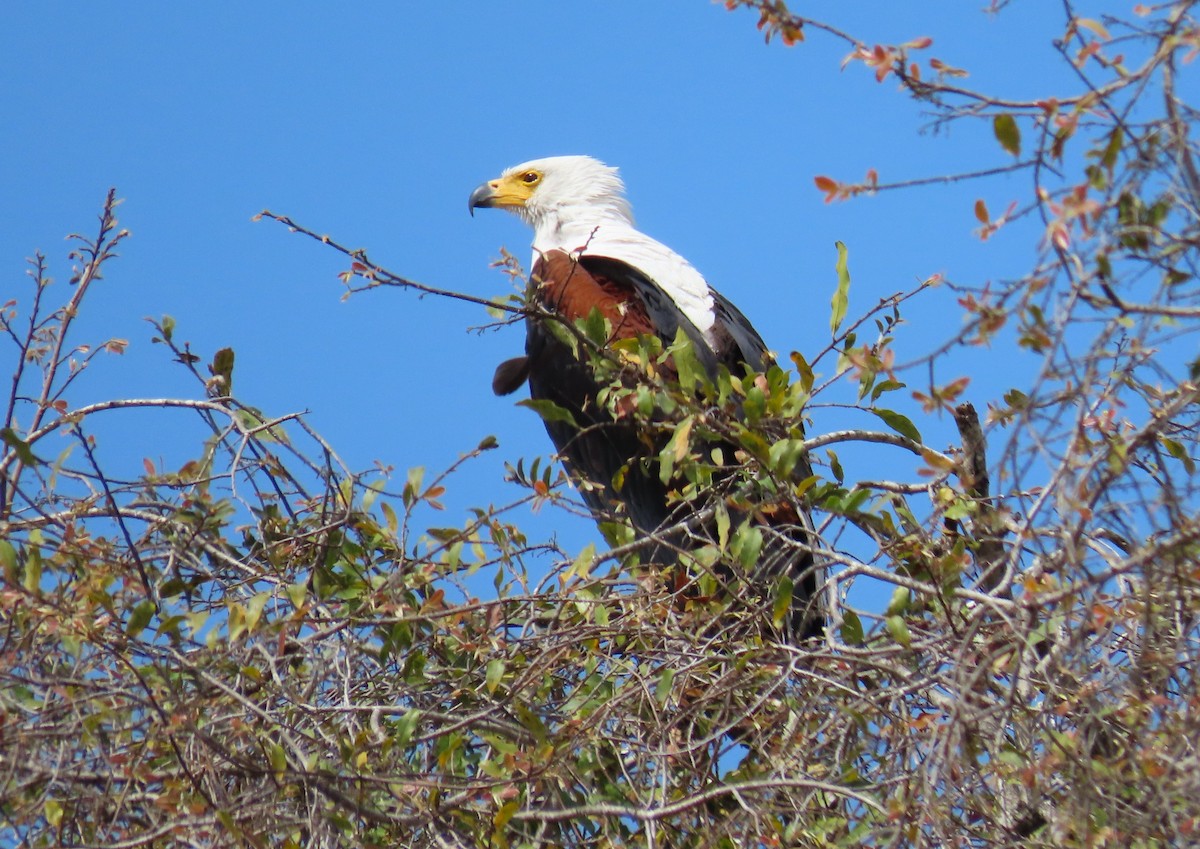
{"x":530,"y":177}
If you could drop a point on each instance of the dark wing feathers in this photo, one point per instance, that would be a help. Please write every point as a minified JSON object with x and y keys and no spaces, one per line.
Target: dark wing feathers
{"x":602,"y":447}
{"x":742,"y":335}
{"x":599,"y":447}
{"x":664,"y":314}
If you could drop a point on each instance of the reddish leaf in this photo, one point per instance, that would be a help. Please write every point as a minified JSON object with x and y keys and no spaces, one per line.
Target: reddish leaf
{"x":828,"y":186}
{"x":955,"y":388}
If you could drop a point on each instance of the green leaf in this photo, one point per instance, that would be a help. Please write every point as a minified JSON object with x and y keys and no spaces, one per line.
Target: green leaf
{"x":746,"y":545}
{"x":504,"y":747}
{"x":446,"y":534}
{"x":595,"y":327}
{"x":495,"y":672}
{"x":8,"y":560}
{"x":1011,"y":758}
{"x":505,"y":813}
{"x":899,"y":423}
{"x":835,"y":467}
{"x":389,"y":516}
{"x":901,"y":598}
{"x":20,"y":446}
{"x":897,"y":627}
{"x":405,"y":726}
{"x":236,"y":620}
{"x":676,"y":449}
{"x":753,"y":443}
{"x":1115,"y":142}
{"x":1016,"y":399}
{"x":32,"y":580}
{"x":582,"y":566}
{"x":1007,"y":133}
{"x":140,"y":618}
{"x":959,"y":509}
{"x":53,"y":811}
{"x":226,"y":819}
{"x":785,"y":456}
{"x":783,"y":600}
{"x":841,"y":295}
{"x":663,"y":689}
{"x":412,"y":486}
{"x":687,"y":365}
{"x":254,"y":609}
{"x":563,"y":333}
{"x":855,"y":500}
{"x":222,"y":367}
{"x":1174,"y":448}
{"x":251,"y":420}
{"x":548,"y":410}
{"x":531,"y":721}
{"x":277,"y":757}
{"x":755,"y":404}
{"x":804,"y":370}
{"x":297,"y":593}
{"x":722,"y":517}
{"x":852,"y":628}
{"x":888,"y":385}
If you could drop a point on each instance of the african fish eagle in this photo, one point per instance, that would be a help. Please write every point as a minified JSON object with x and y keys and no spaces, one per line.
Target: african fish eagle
{"x":588,"y":255}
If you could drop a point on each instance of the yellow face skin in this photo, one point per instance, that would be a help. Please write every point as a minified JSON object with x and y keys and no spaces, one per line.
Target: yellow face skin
{"x":506,"y":192}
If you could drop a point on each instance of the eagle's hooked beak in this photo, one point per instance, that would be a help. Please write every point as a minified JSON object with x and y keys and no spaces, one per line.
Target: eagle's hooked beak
{"x":483,"y":196}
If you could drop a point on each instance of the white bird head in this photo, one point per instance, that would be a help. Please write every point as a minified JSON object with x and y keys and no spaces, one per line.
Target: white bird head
{"x":557,"y":189}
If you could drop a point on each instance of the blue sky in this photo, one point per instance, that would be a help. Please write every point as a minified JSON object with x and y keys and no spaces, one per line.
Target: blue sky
{"x":373,"y":124}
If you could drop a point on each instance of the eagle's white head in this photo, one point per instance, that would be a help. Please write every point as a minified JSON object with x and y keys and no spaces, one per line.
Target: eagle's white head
{"x":577,"y":204}
{"x":557,"y":195}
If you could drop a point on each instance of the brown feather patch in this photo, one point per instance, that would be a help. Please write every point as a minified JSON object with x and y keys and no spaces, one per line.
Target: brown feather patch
{"x":569,"y":289}
{"x":509,"y":375}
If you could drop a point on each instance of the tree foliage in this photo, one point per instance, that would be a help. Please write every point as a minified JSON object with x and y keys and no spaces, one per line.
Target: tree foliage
{"x":266,"y":647}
